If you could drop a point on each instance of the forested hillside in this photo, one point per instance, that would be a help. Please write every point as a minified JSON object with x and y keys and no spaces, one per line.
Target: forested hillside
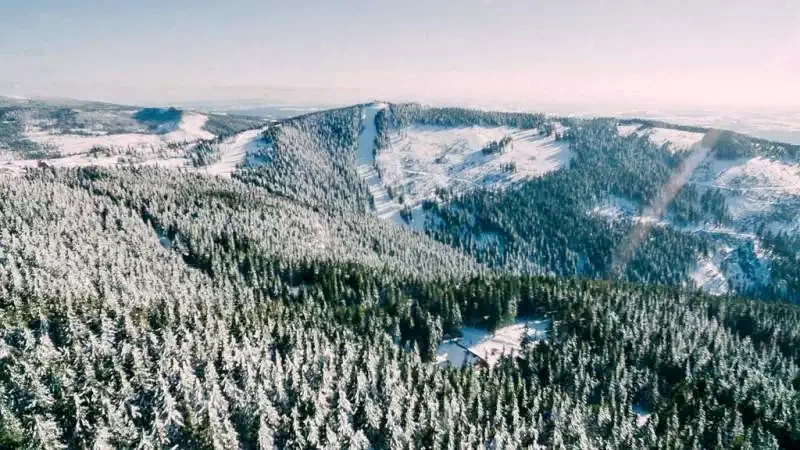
{"x":619,"y":208}
{"x":145,"y":307}
{"x":312,"y":160}
{"x":208,"y":314}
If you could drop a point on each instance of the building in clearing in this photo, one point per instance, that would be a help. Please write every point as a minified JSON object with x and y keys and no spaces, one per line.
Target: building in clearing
{"x":481,"y":348}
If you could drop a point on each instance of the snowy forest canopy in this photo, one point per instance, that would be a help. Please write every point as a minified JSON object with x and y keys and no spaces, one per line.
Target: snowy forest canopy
{"x":148,"y":308}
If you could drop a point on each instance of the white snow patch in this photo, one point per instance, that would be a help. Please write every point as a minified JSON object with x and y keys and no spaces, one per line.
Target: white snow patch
{"x":480,"y":345}
{"x":421,"y":159}
{"x":71,"y":144}
{"x":708,"y":276}
{"x":385,"y":207}
{"x":642,"y":415}
{"x":190,"y":129}
{"x":150,"y":152}
{"x":759,"y":174}
{"x":615,"y":208}
{"x":168,"y":163}
{"x":627,"y":130}
{"x":675,"y":140}
{"x":752,"y":186}
{"x":233,"y":152}
{"x":718,"y":273}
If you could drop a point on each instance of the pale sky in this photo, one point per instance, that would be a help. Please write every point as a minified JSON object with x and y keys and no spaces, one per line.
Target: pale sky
{"x":644,"y":53}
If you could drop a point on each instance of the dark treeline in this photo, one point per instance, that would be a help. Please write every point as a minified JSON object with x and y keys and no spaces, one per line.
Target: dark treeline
{"x":786,"y":263}
{"x":312,"y":160}
{"x":403,"y":115}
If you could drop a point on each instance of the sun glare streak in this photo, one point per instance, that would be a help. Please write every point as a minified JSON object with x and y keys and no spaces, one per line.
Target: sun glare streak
{"x":625,"y":252}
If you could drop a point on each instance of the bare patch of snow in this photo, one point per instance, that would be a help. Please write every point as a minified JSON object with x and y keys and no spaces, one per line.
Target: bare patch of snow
{"x":167,"y":163}
{"x":233,"y":152}
{"x":708,"y":276}
{"x":642,"y":415}
{"x":753,"y":187}
{"x":758,"y":174}
{"x":675,"y":140}
{"x":627,"y":130}
{"x":418,"y":219}
{"x":421,"y":159}
{"x":615,"y":208}
{"x":71,"y":144}
{"x":190,"y":129}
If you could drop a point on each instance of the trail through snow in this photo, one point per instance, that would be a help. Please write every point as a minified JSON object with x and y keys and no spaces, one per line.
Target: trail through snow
{"x":385,"y":207}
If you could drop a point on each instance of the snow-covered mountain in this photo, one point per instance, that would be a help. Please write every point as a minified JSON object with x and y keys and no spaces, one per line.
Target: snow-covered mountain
{"x":428,"y":168}
{"x":289,"y":306}
{"x":758,"y":189}
{"x":740,"y":191}
{"x":75,"y":134}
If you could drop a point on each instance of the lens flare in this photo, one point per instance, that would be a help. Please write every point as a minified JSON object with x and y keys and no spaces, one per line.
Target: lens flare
{"x":627,"y":249}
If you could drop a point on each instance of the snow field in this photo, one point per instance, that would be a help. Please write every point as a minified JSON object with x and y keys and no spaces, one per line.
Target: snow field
{"x":615,"y":208}
{"x":674,"y":139}
{"x":71,"y":144}
{"x":627,"y":130}
{"x":752,"y":186}
{"x":421,"y":159}
{"x":708,"y":276}
{"x":189,"y":129}
{"x":233,"y":152}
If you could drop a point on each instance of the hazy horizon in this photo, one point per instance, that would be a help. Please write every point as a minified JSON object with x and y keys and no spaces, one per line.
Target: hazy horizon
{"x":706,"y":54}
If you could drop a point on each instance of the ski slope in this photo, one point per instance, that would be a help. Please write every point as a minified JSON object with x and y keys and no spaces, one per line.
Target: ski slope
{"x":385,"y":207}
{"x":422,"y":159}
{"x":234,"y":151}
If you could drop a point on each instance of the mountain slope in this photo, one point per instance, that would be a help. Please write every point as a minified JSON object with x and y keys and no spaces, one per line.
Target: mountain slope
{"x":74,"y":134}
{"x":201,"y":313}
{"x":575,"y":208}
{"x":142,"y":307}
{"x":311,"y":159}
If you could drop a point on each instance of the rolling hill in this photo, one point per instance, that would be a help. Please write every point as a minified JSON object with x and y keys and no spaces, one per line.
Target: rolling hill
{"x":68,"y":133}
